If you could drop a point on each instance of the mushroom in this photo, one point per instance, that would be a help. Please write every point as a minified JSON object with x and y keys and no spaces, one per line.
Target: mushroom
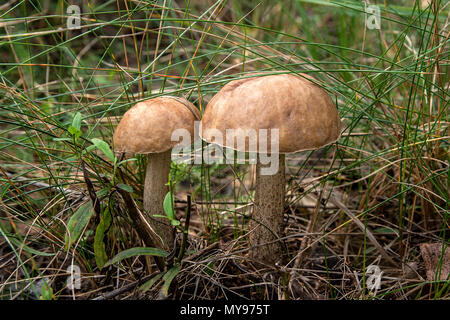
{"x":147,"y":128}
{"x":306,"y":119}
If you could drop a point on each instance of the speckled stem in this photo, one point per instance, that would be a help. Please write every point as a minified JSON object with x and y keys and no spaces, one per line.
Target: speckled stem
{"x":267,"y":221}
{"x":155,"y":190}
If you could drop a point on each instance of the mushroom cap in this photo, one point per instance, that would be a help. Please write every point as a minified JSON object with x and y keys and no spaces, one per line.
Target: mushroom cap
{"x":147,"y":126}
{"x":303,"y":112}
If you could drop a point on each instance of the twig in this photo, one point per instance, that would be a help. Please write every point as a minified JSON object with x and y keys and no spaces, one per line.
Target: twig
{"x":123,"y":289}
{"x":306,"y":239}
{"x":45,"y":185}
{"x":194,"y":256}
{"x":363,"y":228}
{"x":91,"y":190}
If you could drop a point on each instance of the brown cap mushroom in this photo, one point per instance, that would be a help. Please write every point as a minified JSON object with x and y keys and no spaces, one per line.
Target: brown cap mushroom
{"x":147,"y":128}
{"x":306,"y":118}
{"x":302,"y":111}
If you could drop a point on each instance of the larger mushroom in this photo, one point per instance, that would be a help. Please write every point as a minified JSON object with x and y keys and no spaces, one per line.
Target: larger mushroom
{"x":147,"y":128}
{"x":306,"y":119}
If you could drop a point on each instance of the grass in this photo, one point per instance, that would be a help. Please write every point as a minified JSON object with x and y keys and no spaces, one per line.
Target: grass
{"x":373,"y":198}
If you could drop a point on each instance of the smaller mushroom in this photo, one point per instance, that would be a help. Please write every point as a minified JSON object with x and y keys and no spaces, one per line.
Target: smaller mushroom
{"x":146,"y":128}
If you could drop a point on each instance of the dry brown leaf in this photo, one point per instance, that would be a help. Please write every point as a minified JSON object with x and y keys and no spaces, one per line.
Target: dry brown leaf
{"x":431,"y":254}
{"x":29,"y":228}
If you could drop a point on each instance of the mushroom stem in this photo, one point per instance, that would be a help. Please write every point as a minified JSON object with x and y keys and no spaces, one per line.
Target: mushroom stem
{"x":155,"y":190}
{"x":267,"y":220}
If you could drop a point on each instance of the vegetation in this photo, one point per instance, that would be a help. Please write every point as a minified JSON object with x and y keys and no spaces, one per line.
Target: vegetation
{"x":354,"y":209}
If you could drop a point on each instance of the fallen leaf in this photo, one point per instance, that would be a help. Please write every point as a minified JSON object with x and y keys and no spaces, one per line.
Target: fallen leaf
{"x":431,"y":254}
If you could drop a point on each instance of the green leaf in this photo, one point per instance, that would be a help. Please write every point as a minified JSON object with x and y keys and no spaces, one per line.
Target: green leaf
{"x":70,"y":159}
{"x":126,"y":160}
{"x":168,"y":277}
{"x":168,"y":206}
{"x":47,"y":107}
{"x":159,"y":216}
{"x":78,"y":222}
{"x":75,"y":128}
{"x":137,"y":251}
{"x":99,"y":245}
{"x":46,"y":292}
{"x":386,"y":230}
{"x":125,"y":187}
{"x":175,"y":222}
{"x":104,"y":147}
{"x":147,"y":285}
{"x":209,"y":268}
{"x":76,"y":133}
{"x":76,"y":122}
{"x":88,"y":149}
{"x":102,"y":192}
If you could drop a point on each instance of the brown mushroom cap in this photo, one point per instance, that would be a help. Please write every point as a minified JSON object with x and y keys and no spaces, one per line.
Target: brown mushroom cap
{"x":147,"y":126}
{"x":303,"y":112}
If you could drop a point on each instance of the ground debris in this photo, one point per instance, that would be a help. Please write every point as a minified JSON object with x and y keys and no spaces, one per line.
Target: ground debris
{"x":431,"y":254}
